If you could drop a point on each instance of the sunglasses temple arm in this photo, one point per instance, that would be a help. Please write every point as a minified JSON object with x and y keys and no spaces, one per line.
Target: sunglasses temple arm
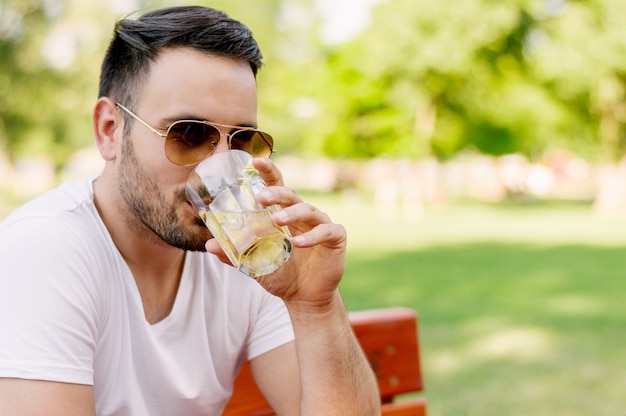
{"x":136,"y":117}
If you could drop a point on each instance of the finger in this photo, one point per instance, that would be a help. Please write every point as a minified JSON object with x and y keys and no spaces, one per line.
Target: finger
{"x":268,"y":171}
{"x":330,"y":235}
{"x":278,"y":195}
{"x":301,"y":213}
{"x":213,"y":247}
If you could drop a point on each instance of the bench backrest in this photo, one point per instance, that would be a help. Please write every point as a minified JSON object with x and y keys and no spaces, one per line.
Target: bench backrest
{"x":389,"y":338}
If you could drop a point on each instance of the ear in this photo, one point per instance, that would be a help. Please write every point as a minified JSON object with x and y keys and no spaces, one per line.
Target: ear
{"x":107,"y":125}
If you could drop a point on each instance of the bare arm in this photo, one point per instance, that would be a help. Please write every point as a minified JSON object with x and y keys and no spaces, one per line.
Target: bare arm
{"x":276,"y":373}
{"x":327,"y":359}
{"x":327,"y":363}
{"x":20,"y":397}
{"x":332,"y":363}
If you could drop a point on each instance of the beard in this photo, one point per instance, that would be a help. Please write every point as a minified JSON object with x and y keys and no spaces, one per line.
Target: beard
{"x":150,"y":207}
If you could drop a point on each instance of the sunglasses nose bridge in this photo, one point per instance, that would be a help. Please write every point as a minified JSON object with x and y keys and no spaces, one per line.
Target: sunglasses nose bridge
{"x":223,"y":144}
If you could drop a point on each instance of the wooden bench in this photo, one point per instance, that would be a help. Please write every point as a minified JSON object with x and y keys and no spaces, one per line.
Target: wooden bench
{"x":389,"y":338}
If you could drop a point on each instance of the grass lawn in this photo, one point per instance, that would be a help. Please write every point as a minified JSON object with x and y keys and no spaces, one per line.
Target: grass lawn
{"x":522,"y":308}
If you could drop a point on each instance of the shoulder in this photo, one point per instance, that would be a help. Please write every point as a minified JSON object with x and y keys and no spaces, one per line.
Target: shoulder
{"x":57,"y":237}
{"x":50,"y":296}
{"x":58,"y":215}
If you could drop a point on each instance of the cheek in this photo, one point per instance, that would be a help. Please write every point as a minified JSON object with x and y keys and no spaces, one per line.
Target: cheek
{"x":145,"y":160}
{"x":147,"y":147}
{"x":151,"y":160}
{"x":150,"y":153}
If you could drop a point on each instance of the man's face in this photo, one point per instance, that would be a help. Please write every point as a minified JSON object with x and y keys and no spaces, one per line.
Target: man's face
{"x":182,"y":84}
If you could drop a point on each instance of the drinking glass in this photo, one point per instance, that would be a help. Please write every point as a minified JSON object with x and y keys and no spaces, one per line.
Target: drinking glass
{"x":222,"y":188}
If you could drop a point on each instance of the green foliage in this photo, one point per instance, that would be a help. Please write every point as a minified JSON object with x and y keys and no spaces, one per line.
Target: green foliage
{"x":500,"y":77}
{"x":47,"y":77}
{"x":425,"y":78}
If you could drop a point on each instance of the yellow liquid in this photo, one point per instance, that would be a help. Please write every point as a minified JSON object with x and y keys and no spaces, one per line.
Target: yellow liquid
{"x":251,"y":240}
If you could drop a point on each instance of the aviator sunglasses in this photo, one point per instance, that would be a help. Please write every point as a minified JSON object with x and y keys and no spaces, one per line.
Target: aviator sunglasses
{"x":190,"y":141}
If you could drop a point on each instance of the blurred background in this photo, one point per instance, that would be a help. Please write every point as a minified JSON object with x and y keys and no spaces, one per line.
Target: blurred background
{"x":474,"y":150}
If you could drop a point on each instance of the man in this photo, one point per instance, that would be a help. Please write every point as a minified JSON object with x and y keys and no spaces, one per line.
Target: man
{"x":108,"y":304}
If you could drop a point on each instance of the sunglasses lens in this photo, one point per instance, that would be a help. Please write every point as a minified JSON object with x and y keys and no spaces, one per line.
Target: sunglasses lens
{"x":189,"y":142}
{"x":257,"y":143}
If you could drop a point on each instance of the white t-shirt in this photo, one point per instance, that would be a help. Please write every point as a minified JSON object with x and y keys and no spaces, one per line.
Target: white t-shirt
{"x":70,"y":311}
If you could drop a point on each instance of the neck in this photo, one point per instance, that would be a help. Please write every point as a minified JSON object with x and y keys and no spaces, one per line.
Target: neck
{"x":155,"y":265}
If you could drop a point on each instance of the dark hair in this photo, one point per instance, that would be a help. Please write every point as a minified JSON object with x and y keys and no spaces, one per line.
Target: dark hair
{"x":137,"y":43}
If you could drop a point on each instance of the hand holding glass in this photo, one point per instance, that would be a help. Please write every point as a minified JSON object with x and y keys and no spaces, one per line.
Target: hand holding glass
{"x":223,"y":189}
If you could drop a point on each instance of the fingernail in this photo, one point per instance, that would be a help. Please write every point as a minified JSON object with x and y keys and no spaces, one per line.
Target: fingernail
{"x":298,"y":239}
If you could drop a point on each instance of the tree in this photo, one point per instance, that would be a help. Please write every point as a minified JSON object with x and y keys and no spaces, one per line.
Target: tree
{"x":47,"y":75}
{"x":499,"y":77}
{"x":580,"y":57}
{"x":50,"y":52}
{"x":426,"y":78}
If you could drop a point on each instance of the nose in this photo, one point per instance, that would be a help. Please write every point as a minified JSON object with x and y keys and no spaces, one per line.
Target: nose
{"x":222,"y":145}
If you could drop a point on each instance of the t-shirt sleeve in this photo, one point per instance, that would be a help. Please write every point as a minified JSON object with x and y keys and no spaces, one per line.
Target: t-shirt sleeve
{"x":48,"y":302}
{"x":272,"y":327}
